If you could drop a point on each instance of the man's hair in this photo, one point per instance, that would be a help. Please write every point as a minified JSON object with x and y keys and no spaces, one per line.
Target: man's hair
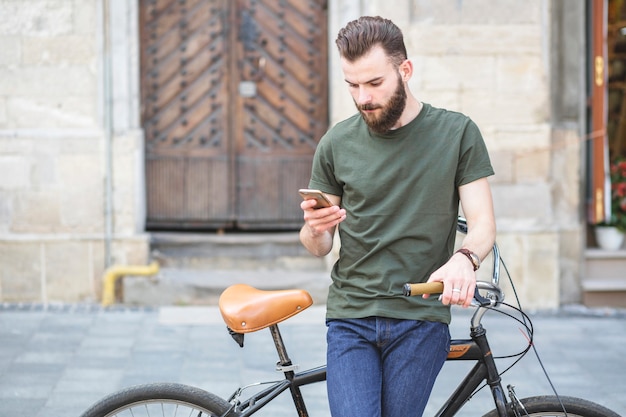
{"x":359,"y":36}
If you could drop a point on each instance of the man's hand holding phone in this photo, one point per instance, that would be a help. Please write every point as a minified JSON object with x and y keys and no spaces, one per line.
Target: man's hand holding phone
{"x":320,"y":198}
{"x":321,"y":212}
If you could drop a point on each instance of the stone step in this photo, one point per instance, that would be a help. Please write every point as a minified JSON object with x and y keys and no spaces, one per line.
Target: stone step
{"x":175,"y":286}
{"x":608,"y":297}
{"x":233,"y":251}
{"x":605,"y":264}
{"x":604,"y":280}
{"x":197,"y":267}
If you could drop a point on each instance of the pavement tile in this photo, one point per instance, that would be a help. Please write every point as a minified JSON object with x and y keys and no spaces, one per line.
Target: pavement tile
{"x":22,"y":406}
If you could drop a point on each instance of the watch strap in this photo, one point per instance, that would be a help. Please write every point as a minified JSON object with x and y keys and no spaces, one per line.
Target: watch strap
{"x":473,"y":258}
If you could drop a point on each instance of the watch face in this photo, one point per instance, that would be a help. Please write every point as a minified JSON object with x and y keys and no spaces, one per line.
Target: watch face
{"x":475,"y":259}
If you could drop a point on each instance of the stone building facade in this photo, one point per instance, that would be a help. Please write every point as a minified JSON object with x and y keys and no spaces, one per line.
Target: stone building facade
{"x":70,"y":148}
{"x":72,"y":186}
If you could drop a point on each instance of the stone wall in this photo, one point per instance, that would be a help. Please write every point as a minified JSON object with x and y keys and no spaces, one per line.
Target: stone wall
{"x":506,"y":64}
{"x":54,"y":242}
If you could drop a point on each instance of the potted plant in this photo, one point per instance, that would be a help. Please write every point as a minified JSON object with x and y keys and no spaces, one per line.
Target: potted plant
{"x":610,"y":234}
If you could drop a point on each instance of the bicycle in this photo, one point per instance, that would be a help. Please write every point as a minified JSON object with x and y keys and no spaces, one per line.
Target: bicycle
{"x":246,"y":310}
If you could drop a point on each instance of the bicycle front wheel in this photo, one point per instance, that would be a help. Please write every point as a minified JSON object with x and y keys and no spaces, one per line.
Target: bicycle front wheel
{"x":549,"y":406}
{"x":162,"y":399}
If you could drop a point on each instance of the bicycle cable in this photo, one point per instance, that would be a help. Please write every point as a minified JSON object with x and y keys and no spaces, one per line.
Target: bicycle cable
{"x":523,"y":320}
{"x":527,"y":323}
{"x":529,"y":333}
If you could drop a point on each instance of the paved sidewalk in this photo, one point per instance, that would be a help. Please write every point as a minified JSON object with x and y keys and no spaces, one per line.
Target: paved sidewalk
{"x":56,"y":360}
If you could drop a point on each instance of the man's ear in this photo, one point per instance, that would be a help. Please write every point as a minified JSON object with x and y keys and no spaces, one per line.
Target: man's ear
{"x":406,"y":70}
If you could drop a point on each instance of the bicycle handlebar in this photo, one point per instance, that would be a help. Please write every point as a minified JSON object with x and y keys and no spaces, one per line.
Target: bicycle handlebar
{"x":422,"y":288}
{"x":494,"y":293}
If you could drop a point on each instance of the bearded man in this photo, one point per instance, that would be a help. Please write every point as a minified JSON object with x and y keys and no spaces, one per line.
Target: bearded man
{"x":396,"y":172}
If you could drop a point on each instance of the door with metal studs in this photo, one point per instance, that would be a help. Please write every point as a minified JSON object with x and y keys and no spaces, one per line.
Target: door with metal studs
{"x":234,"y":100}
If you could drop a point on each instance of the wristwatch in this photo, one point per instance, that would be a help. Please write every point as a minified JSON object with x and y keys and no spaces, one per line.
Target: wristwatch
{"x":474,"y":259}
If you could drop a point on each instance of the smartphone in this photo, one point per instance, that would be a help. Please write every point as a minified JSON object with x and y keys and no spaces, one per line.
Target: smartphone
{"x":322,"y":200}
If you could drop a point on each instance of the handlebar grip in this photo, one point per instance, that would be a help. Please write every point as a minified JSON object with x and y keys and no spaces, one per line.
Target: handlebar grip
{"x":422,"y":288}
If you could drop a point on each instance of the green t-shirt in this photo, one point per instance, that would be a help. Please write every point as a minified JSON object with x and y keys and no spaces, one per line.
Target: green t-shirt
{"x":400,"y":194}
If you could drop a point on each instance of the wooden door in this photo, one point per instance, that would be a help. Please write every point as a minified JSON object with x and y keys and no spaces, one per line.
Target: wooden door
{"x":234,"y":100}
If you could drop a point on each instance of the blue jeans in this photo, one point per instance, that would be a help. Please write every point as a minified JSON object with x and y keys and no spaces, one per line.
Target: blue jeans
{"x":381,"y":367}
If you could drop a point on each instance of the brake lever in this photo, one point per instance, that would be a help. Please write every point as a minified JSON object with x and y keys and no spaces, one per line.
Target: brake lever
{"x":481,"y":301}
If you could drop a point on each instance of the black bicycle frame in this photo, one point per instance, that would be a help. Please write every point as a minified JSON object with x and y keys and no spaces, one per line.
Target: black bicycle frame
{"x":474,"y":349}
{"x":292,"y":381}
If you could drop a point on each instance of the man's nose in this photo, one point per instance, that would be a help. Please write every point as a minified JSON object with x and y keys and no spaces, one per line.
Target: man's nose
{"x":364,"y":96}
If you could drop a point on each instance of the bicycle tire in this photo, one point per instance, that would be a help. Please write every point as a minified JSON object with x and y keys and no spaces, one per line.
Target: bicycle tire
{"x":549,"y":406}
{"x":165,"y":399}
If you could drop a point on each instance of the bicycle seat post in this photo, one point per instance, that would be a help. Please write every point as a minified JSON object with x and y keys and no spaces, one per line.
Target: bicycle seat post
{"x":283,"y":357}
{"x":284,"y":365}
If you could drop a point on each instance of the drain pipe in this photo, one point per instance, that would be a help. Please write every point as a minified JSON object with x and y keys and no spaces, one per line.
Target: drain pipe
{"x":108,"y":132}
{"x":117,"y":272}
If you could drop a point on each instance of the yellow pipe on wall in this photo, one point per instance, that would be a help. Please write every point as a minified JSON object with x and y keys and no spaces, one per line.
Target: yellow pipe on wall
{"x":115,"y":272}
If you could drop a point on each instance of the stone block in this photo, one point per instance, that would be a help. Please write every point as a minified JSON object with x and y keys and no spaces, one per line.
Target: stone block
{"x":524,"y":139}
{"x":532,"y":166}
{"x":6,"y":211}
{"x":21,"y":272}
{"x":36,"y":17}
{"x":10,"y":48}
{"x":81,"y":199}
{"x":127,"y":163}
{"x":506,"y":109}
{"x":11,"y":144}
{"x":85,"y":16}
{"x":59,"y":51}
{"x":472,"y":40}
{"x":398,"y":10}
{"x":453,"y":12}
{"x":526,"y":207}
{"x":68,"y":270}
{"x":98,"y":253}
{"x":566,"y":170}
{"x":78,"y":81}
{"x":51,"y":112}
{"x":132,"y":250}
{"x":442,"y":99}
{"x":124,"y":211}
{"x":502,"y":163}
{"x":3,"y":113}
{"x":44,"y":170}
{"x":459,"y":73}
{"x":88,"y":142}
{"x":532,"y":259}
{"x":36,"y":211}
{"x":522,"y":74}
{"x":15,"y":172}
{"x":570,"y":265}
{"x":541,"y":272}
{"x":510,"y":246}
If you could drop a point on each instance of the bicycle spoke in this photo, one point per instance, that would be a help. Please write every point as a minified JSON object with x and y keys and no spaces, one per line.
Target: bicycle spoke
{"x":160,"y":408}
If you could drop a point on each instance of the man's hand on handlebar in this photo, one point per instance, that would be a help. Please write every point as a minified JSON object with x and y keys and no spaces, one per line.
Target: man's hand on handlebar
{"x":459,"y":281}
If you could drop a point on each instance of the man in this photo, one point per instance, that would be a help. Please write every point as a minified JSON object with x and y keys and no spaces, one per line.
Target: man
{"x":395,"y":172}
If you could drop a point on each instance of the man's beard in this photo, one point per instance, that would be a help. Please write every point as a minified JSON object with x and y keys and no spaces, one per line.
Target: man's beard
{"x":390,"y":114}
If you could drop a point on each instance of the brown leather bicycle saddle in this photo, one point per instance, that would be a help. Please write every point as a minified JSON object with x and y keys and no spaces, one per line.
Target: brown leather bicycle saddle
{"x":247,"y":309}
